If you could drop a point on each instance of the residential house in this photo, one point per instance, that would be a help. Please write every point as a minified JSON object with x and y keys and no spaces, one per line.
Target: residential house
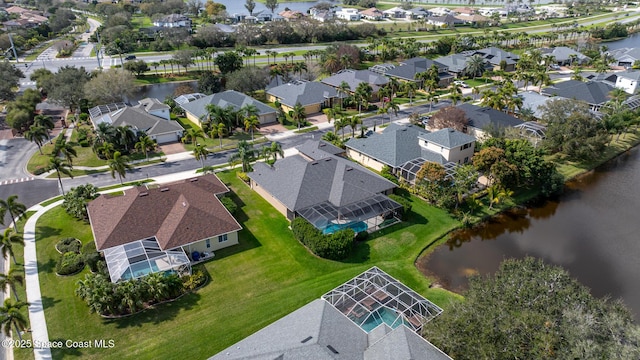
{"x":395,"y":13}
{"x":27,"y":18}
{"x":313,"y":96}
{"x":627,"y":80}
{"x":440,"y":11}
{"x":404,"y":148}
{"x":327,"y":190}
{"x":496,"y":57}
{"x":465,"y":11}
{"x":321,"y":15}
{"x":564,"y":55}
{"x":456,"y":64}
{"x":447,"y":20}
{"x":624,"y":57}
{"x":408,"y":69}
{"x":173,"y":21}
{"x":484,"y":119}
{"x":196,"y":111}
{"x":355,"y":77}
{"x":372,"y":316}
{"x":291,"y":15}
{"x":348,"y":14}
{"x":163,"y":228}
{"x":473,"y":19}
{"x":594,"y":93}
{"x":372,"y":14}
{"x":534,"y":101}
{"x":417,"y":13}
{"x":149,"y":116}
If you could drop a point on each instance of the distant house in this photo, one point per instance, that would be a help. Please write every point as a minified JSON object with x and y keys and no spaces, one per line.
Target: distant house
{"x":465,"y":11}
{"x":371,"y":317}
{"x":627,"y":80}
{"x":417,"y":13}
{"x":355,"y":77}
{"x":594,"y":93}
{"x":327,"y":190}
{"x":447,"y":20}
{"x":625,"y":57}
{"x":408,"y":69}
{"x":403,"y":147}
{"x":27,"y":18}
{"x":473,"y":19}
{"x":150,"y":116}
{"x":161,"y":229}
{"x":565,"y":55}
{"x":496,"y":57}
{"x":321,"y":15}
{"x":313,"y":96}
{"x":483,"y":119}
{"x":348,"y":14}
{"x":196,"y":110}
{"x":372,"y":14}
{"x":440,"y":11}
{"x":172,"y":21}
{"x":395,"y":13}
{"x":291,"y":15}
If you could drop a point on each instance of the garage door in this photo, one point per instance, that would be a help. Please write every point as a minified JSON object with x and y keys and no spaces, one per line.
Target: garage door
{"x":167,"y":138}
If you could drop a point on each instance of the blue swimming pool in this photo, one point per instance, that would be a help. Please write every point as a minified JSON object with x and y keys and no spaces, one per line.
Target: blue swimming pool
{"x":356,"y":226}
{"x":382,"y":315}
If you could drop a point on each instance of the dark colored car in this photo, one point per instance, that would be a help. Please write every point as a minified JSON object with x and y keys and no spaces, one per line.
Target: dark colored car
{"x":130,"y":57}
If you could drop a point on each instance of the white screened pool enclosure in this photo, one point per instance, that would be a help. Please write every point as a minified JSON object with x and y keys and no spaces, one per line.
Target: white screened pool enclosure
{"x":374,"y":298}
{"x":143,"y":257}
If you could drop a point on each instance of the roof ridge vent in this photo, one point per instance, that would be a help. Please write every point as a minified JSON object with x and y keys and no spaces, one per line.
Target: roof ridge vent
{"x":332,"y":349}
{"x":348,"y":168}
{"x":314,"y":163}
{"x":193,"y":180}
{"x":327,"y":159}
{"x":306,"y":339}
{"x":164,"y":189}
{"x":143,"y":194}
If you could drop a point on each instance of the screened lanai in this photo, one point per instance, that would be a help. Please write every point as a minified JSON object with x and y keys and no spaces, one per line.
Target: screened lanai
{"x":139,"y":258}
{"x":374,"y":297}
{"x":409,"y":170}
{"x":370,"y":214}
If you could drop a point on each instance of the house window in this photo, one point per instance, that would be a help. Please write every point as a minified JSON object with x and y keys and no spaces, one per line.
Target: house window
{"x":222,"y":238}
{"x":466,"y":159}
{"x":208,"y":243}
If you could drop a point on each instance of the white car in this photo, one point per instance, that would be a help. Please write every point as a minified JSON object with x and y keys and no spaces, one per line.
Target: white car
{"x":461,"y":84}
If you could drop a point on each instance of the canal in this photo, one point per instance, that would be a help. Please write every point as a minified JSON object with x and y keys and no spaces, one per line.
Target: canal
{"x":593,"y":231}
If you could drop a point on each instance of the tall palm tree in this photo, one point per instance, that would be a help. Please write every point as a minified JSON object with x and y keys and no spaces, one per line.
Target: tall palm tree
{"x":455,"y":94}
{"x":343,"y":89}
{"x":192,"y":135}
{"x":363,"y":93}
{"x":474,"y":66}
{"x":218,"y":131}
{"x":245,"y":155}
{"x":275,"y":149}
{"x":46,"y":122}
{"x":64,"y":149}
{"x":392,"y":106}
{"x":340,"y":124}
{"x":298,"y":114}
{"x":11,"y":279}
{"x":11,"y":315}
{"x":433,"y":99}
{"x":38,"y":135}
{"x":200,"y":152}
{"x":119,"y":164}
{"x":55,"y":163}
{"x":106,"y":149}
{"x":12,"y":206}
{"x":410,"y":87}
{"x":353,"y":123}
{"x":146,"y":144}
{"x":125,"y":136}
{"x":251,"y":123}
{"x":7,"y":240}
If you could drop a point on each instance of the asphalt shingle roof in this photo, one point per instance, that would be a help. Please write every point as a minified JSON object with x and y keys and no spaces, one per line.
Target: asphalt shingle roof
{"x":355,"y":77}
{"x":139,"y":119}
{"x":236,"y":100}
{"x":481,"y":117}
{"x":591,"y":92}
{"x":448,"y":138}
{"x":396,"y":145}
{"x":304,"y":92}
{"x":563,"y":53}
{"x":455,"y":62}
{"x":495,"y":55}
{"x":408,"y":69}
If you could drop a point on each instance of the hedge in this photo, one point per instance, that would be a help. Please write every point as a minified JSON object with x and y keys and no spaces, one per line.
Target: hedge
{"x":334,"y":246}
{"x":406,"y":205}
{"x":69,"y":263}
{"x":69,"y":245}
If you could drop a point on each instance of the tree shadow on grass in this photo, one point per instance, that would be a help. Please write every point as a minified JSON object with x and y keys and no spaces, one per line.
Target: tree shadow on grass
{"x":158,"y":314}
{"x":49,"y":302}
{"x":48,"y":267}
{"x":246,"y":239}
{"x":59,"y":353}
{"x":45,"y":232}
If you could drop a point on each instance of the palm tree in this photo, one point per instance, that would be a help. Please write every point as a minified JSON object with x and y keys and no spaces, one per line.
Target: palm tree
{"x":245,"y":155}
{"x":218,"y":130}
{"x":455,"y":94}
{"x":119,"y":164}
{"x":410,"y":87}
{"x":46,"y":122}
{"x":200,"y":152}
{"x":11,"y":279}
{"x":275,"y":149}
{"x":125,"y":136}
{"x":38,"y":135}
{"x":11,"y":315}
{"x":498,"y":194}
{"x":474,"y":66}
{"x":192,"y":135}
{"x":298,"y":114}
{"x":12,"y":206}
{"x":340,"y":124}
{"x":106,"y":149}
{"x":7,"y":240}
{"x":433,"y":99}
{"x":63,"y":148}
{"x":146,"y":144}
{"x":363,"y":93}
{"x":55,"y":163}
{"x":251,"y":123}
{"x":353,"y":123}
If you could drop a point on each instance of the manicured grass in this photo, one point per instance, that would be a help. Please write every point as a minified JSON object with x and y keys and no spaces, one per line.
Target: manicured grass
{"x":229,"y":142}
{"x":51,"y":201}
{"x":306,"y":130}
{"x":268,"y":275}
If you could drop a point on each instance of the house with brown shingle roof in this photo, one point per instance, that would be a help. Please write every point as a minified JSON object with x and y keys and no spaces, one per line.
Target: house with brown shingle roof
{"x":162,"y":229}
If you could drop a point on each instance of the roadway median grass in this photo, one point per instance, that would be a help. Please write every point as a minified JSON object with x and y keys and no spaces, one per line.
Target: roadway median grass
{"x":268,"y":275}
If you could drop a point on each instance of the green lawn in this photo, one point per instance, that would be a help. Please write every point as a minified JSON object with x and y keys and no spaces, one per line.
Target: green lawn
{"x":229,"y":142}
{"x":268,"y":275}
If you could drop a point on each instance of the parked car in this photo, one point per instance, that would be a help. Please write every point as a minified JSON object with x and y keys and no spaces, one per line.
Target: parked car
{"x":130,"y":57}
{"x":461,"y":84}
{"x":554,"y":67}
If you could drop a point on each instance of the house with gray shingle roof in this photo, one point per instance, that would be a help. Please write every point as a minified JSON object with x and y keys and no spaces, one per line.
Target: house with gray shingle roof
{"x":457,"y":64}
{"x":594,"y":93}
{"x":172,"y":21}
{"x":482,"y":119}
{"x":399,"y":145}
{"x":196,"y":110}
{"x":370,"y":317}
{"x":625,"y":57}
{"x":408,"y":69}
{"x":495,"y":57}
{"x":313,"y":96}
{"x":355,"y":77}
{"x":564,"y":55}
{"x":329,"y":191}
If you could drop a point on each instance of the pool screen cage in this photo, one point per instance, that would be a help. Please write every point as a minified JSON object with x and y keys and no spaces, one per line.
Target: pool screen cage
{"x":368,"y":294}
{"x":409,"y":170}
{"x":377,"y":212}
{"x":140,"y":258}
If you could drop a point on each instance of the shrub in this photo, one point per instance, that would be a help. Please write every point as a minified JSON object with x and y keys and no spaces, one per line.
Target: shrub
{"x":243,"y":176}
{"x":406,"y":205}
{"x":69,"y":263}
{"x":84,"y":143}
{"x":92,"y":259}
{"x":229,"y":204}
{"x":39,"y":171}
{"x":334,"y":246}
{"x":195,"y":280}
{"x":69,"y":245}
{"x":76,"y":199}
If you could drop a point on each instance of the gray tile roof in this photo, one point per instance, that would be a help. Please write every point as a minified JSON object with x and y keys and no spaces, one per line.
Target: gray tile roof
{"x":355,"y":77}
{"x":495,"y":55}
{"x":139,"y":119}
{"x":534,"y":101}
{"x":455,"y":62}
{"x":299,"y":183}
{"x":317,"y":150}
{"x":591,"y":92}
{"x":396,"y":145}
{"x":223,"y":99}
{"x":448,"y":138}
{"x":303,"y":92}
{"x":408,"y":69}
{"x":563,"y":54}
{"x":481,"y":117}
{"x":626,"y":54}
